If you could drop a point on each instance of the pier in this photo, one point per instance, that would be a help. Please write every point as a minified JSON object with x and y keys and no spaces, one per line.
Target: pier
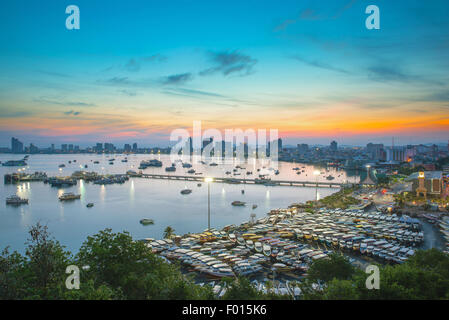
{"x":235,"y":180}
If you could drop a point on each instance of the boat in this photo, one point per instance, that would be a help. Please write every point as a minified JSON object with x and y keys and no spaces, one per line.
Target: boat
{"x":96,"y":162}
{"x":170,"y":169}
{"x":61,"y":166}
{"x":254,"y":206}
{"x":150,"y":163}
{"x":14,"y":163}
{"x":191,"y":171}
{"x":15,"y":200}
{"x":213,"y":164}
{"x":90,"y":205}
{"x":146,"y":221}
{"x":69,"y":196}
{"x":186,"y":165}
{"x":199,"y":184}
{"x":186,"y":191}
{"x":238,"y":203}
{"x":330,"y":177}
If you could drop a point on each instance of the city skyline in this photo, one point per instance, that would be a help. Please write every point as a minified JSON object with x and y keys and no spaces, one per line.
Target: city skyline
{"x":314,"y":73}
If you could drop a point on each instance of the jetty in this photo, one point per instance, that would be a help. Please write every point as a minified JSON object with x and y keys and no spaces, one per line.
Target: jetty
{"x":234,"y":180}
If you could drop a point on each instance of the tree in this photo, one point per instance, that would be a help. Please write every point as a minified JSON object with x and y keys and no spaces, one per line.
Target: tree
{"x":335,"y":267}
{"x":168,"y":232}
{"x":115,"y":260}
{"x":40,"y":274}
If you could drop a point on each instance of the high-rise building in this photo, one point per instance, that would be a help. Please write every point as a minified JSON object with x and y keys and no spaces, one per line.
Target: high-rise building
{"x":70,"y":147}
{"x":109,"y":147}
{"x":63,"y":147}
{"x":127,"y":147}
{"x":375,"y":151}
{"x":99,"y":147}
{"x":333,"y":146}
{"x":303,"y":148}
{"x":16,"y":145}
{"x":134,"y":147}
{"x":396,"y":154}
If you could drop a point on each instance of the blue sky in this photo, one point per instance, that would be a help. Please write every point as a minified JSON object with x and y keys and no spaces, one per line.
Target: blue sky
{"x":138,"y":69}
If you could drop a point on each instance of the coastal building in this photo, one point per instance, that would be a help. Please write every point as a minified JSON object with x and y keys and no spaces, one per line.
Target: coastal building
{"x":427,"y":182}
{"x":333,"y":146}
{"x":376,"y":151}
{"x":16,"y":145}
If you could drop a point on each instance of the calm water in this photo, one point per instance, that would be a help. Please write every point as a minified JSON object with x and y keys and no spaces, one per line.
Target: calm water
{"x":120,"y":207}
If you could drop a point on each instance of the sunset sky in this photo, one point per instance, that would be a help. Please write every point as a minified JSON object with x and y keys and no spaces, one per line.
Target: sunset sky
{"x":136,"y":70}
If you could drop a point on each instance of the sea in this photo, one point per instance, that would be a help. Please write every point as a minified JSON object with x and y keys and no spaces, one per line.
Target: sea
{"x":120,"y":207}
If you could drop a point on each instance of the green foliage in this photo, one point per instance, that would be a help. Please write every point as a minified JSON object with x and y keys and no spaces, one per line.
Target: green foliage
{"x":116,"y":261}
{"x":341,"y":199}
{"x":169,"y":232}
{"x":336,"y":267}
{"x":112,"y":266}
{"x":424,"y":276}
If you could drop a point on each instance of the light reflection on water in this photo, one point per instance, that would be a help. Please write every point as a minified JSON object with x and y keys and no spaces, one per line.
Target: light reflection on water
{"x":120,"y":207}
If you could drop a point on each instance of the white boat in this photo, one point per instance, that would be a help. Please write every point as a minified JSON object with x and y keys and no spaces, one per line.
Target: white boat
{"x":15,"y":200}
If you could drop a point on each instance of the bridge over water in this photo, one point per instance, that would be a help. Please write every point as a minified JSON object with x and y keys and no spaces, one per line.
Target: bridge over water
{"x":235,"y":180}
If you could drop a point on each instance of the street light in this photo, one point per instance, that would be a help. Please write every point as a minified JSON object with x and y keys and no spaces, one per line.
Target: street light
{"x":316,"y":173}
{"x":208,"y":181}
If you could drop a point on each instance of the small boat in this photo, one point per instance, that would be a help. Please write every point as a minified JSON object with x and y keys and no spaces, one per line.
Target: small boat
{"x":330,"y":177}
{"x":147,"y":221}
{"x":254,"y":206}
{"x":238,"y":203}
{"x":90,"y":205}
{"x":186,"y":191}
{"x":213,"y":164}
{"x":199,"y":184}
{"x":61,"y":165}
{"x":243,"y":191}
{"x":170,"y":169}
{"x":96,"y":162}
{"x":69,"y":196}
{"x":191,"y":171}
{"x":15,"y":200}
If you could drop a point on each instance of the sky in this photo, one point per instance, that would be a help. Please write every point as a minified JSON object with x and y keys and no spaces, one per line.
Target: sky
{"x":137,"y":70}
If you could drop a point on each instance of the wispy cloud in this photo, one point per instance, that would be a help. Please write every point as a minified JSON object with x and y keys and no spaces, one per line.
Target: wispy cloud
{"x":320,"y":64}
{"x":72,"y":113}
{"x":177,"y":79}
{"x":228,"y":63}
{"x":63,"y":103}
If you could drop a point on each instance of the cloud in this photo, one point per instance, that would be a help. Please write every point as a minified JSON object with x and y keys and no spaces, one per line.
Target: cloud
{"x":393,"y":73}
{"x":177,"y":79}
{"x":155,"y":57}
{"x":228,"y":63}
{"x":54,"y":74}
{"x":128,"y":92}
{"x":63,"y":103}
{"x":192,"y":92}
{"x":319,"y":64}
{"x":132,"y":65}
{"x":73,"y":113}
{"x":312,"y":15}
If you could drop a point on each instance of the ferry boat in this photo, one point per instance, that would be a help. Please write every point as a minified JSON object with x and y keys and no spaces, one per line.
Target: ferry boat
{"x":14,"y":163}
{"x":146,"y":221}
{"x":15,"y":200}
{"x":69,"y":196}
